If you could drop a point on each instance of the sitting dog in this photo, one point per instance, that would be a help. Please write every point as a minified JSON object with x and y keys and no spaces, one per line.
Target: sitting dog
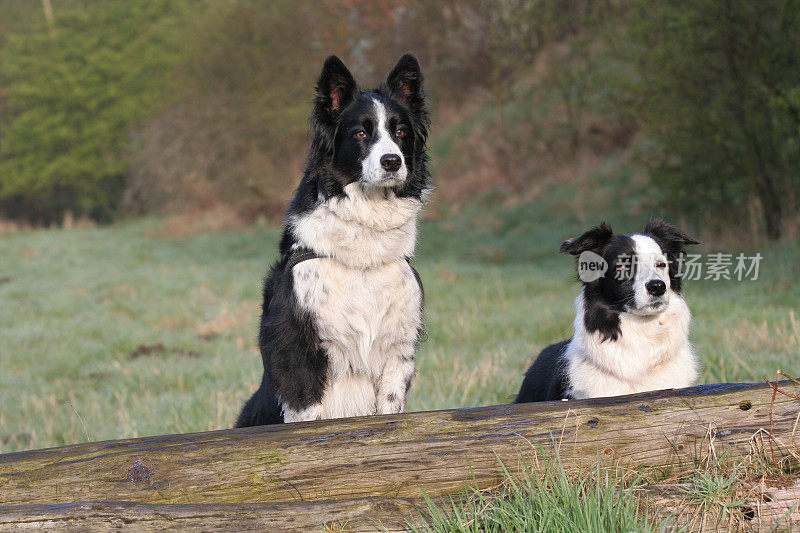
{"x":631,"y":329}
{"x":342,"y":309}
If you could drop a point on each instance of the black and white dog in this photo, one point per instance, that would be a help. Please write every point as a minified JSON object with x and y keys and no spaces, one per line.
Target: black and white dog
{"x":342,"y":310}
{"x":631,"y":329}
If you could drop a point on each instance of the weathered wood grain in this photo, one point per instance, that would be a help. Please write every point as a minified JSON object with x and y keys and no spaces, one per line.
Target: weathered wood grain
{"x":754,"y":507}
{"x":400,"y":456}
{"x":367,"y":514}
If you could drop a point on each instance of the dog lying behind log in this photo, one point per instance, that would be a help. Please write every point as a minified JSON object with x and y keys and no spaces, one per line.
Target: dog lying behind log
{"x":631,"y":329}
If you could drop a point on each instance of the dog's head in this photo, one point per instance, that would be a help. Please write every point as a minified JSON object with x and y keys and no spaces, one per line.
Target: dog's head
{"x":633,"y":274}
{"x":375,"y":137}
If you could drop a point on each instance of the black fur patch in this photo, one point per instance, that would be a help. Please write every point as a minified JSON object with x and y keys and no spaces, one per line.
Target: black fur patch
{"x":605,"y":297}
{"x":546,"y":379}
{"x":409,"y":380}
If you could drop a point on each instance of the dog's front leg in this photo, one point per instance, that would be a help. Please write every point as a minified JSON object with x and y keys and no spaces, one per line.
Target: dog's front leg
{"x":395,"y":382}
{"x":312,"y":412}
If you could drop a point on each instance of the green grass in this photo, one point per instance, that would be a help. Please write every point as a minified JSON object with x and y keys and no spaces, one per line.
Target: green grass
{"x":137,"y":334}
{"x":551,"y":502}
{"x":713,"y":487}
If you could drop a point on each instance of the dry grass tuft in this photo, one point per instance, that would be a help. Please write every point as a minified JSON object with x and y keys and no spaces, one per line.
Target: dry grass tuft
{"x":226,"y":321}
{"x":11,"y":226}
{"x":214,"y":219}
{"x":777,"y":336}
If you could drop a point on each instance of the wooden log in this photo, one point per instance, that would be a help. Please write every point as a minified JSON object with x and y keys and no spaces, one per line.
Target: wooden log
{"x":366,"y":514}
{"x":404,"y":456}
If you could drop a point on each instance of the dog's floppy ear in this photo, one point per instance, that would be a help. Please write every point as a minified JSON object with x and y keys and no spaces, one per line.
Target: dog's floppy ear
{"x":405,"y":83}
{"x":672,"y":241}
{"x":336,"y":88}
{"x":593,"y":240}
{"x":670,"y":238}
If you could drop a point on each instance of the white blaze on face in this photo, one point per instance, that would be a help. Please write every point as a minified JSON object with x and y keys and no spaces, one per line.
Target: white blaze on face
{"x":372,"y":172}
{"x":648,"y":255}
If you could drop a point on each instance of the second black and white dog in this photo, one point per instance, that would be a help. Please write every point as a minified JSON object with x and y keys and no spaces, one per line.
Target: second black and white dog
{"x":342,"y":310}
{"x":631,"y":329}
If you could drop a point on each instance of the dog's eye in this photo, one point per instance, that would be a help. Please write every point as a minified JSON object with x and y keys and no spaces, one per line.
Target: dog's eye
{"x":661,"y":264}
{"x":400,"y":132}
{"x":360,"y":134}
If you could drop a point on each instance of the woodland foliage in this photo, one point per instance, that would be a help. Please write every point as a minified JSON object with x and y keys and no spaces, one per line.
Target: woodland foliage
{"x":113,"y":107}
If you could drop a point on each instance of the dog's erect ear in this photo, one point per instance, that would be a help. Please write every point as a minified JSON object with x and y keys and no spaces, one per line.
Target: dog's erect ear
{"x":671,"y":239}
{"x":593,"y":240}
{"x":336,"y":88}
{"x":405,"y":82}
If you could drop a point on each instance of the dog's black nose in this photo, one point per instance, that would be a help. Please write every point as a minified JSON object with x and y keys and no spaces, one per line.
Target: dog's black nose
{"x":390,"y":162}
{"x":656,"y":287}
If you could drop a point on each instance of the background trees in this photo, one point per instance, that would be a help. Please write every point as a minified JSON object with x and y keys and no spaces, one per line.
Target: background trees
{"x":720,"y":82}
{"x":163,"y":106}
{"x":72,"y":96}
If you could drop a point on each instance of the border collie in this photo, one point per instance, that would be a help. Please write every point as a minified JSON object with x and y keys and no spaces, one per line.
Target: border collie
{"x":342,"y":309}
{"x":631,"y":324}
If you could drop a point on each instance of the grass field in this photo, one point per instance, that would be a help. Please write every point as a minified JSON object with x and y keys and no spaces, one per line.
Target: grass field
{"x":121,"y":331}
{"x":126,"y":331}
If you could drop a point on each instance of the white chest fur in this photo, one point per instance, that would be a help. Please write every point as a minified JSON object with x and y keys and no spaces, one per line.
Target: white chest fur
{"x":365,"y":228}
{"x":364,"y":298}
{"x":367,"y":321}
{"x":651,"y":353}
